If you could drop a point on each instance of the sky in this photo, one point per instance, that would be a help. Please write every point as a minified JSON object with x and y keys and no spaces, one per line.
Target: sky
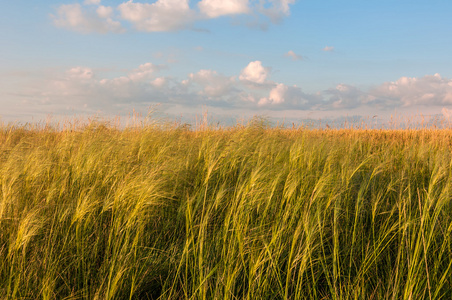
{"x":283,"y":59}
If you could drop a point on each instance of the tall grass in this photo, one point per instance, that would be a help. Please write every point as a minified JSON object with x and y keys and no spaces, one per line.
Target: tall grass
{"x":245,"y":212}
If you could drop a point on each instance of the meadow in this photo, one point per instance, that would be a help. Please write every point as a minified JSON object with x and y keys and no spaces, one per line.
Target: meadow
{"x":240,"y":212}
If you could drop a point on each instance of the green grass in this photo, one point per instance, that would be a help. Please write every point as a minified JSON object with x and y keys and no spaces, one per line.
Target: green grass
{"x":245,"y":212}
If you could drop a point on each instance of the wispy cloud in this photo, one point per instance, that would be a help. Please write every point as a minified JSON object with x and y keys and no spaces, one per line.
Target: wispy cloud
{"x":275,"y":10}
{"x":328,"y":49}
{"x":293,"y":55}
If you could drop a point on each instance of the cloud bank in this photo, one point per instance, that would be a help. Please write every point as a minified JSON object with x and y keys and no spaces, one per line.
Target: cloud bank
{"x":88,"y":90}
{"x":161,"y":15}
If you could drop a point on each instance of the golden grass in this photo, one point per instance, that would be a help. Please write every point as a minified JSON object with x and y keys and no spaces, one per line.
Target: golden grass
{"x":244,"y":212}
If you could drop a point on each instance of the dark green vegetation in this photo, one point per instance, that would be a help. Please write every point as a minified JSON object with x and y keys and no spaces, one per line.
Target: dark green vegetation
{"x":236,"y":213}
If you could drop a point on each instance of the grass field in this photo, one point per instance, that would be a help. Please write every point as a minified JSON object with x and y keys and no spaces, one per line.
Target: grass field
{"x":244,"y":212}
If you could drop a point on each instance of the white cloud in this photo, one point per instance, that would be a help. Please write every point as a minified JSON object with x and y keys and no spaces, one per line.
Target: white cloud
{"x":81,"y":86}
{"x":255,"y":72}
{"x":293,"y":55}
{"x":162,"y":15}
{"x":212,"y":83}
{"x":104,"y":12}
{"x":276,"y":95}
{"x":91,"y":2}
{"x":217,"y":8}
{"x":73,"y":17}
{"x":275,"y":10}
{"x":328,"y":49}
{"x":283,"y":97}
{"x":144,"y":71}
{"x":248,"y":89}
{"x":159,"y":82}
{"x":283,"y":5}
{"x":427,"y":90}
{"x":80,"y":73}
{"x":344,"y":96}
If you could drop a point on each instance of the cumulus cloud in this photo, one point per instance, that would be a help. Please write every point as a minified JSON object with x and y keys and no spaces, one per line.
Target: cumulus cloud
{"x":104,"y":12}
{"x":80,"y":73}
{"x":159,"y":82}
{"x":293,"y":55}
{"x":406,"y":91}
{"x":282,"y":97}
{"x":283,"y":5}
{"x":276,"y":95}
{"x":345,"y":96}
{"x":250,"y":88}
{"x":82,"y":86}
{"x":162,"y":15}
{"x":88,"y":90}
{"x":254,"y":72}
{"x":74,"y":17}
{"x":144,"y":71}
{"x":91,"y":2}
{"x":217,"y":8}
{"x":258,"y":89}
{"x":430,"y":90}
{"x":328,"y":49}
{"x":275,"y":10}
{"x":212,"y":84}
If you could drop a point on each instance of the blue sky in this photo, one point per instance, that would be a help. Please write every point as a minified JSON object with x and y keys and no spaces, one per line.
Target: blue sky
{"x":234,"y":58}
